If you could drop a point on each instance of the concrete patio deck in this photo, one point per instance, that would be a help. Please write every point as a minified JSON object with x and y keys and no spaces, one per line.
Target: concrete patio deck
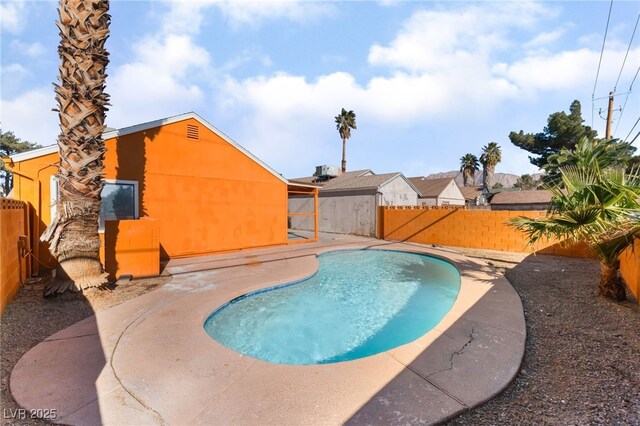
{"x":150,"y":361}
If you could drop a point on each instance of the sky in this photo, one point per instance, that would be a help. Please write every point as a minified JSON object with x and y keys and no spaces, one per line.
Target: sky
{"x":429,"y":81}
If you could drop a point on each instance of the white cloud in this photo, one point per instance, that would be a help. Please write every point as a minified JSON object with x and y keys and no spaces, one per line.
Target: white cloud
{"x":568,"y":70}
{"x":15,"y":69}
{"x":252,"y":13}
{"x":545,"y":38}
{"x":20,"y":113}
{"x":33,"y":50}
{"x":13,"y":16}
{"x":435,"y":40}
{"x":159,"y":83}
{"x":187,"y":16}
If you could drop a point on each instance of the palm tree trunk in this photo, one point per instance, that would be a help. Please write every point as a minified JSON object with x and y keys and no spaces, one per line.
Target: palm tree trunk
{"x":73,"y":233}
{"x":610,"y":285}
{"x":487,"y":177}
{"x":344,"y":155}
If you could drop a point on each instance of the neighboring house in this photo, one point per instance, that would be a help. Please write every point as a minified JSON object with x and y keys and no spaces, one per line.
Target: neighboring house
{"x":348,"y":204}
{"x":207,"y":193}
{"x":521,"y":200}
{"x":438,"y":192}
{"x":471,"y":194}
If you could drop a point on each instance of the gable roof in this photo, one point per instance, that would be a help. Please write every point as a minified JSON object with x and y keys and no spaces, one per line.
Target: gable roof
{"x":110,"y":133}
{"x":354,"y":173}
{"x":354,"y":181}
{"x":522,"y":197}
{"x":430,"y":187}
{"x":470,"y":192}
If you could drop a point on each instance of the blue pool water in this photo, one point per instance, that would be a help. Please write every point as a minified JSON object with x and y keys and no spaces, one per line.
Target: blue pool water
{"x":359,"y":303}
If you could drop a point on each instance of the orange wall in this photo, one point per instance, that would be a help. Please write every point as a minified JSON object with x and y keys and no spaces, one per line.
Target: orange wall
{"x":206,"y":195}
{"x":12,"y":266}
{"x":131,"y":247}
{"x":484,"y":229}
{"x":630,"y":269}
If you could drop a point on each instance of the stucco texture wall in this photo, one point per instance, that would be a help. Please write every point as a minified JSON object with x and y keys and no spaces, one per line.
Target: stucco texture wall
{"x":206,"y":195}
{"x":398,"y":192}
{"x":451,"y":195}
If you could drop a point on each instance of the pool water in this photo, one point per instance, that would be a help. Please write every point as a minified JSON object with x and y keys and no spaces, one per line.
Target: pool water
{"x":359,"y":303}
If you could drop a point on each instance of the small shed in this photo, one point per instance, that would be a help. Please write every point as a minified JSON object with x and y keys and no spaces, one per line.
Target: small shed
{"x":521,"y":200}
{"x":438,"y":192}
{"x":348,"y":204}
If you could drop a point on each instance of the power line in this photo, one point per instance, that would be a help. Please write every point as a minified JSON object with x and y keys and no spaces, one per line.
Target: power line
{"x":634,"y":77}
{"x":606,"y":29}
{"x":626,"y":54}
{"x":635,"y":137}
{"x":634,"y":126}
{"x":626,"y":99}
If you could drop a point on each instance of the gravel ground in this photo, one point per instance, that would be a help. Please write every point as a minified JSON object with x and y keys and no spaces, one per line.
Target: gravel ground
{"x":582,"y":359}
{"x":581,"y":366}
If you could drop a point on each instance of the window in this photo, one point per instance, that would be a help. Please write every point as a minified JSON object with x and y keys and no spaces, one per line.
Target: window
{"x":119,"y":200}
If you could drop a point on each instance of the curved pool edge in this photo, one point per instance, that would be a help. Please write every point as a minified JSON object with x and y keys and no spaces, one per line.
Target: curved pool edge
{"x":221,"y":334}
{"x":415,"y":381}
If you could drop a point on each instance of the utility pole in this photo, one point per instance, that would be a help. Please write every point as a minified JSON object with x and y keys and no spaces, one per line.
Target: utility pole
{"x":609,"y":116}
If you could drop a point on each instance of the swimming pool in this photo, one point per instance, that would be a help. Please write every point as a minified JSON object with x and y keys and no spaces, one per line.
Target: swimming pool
{"x":359,"y":303}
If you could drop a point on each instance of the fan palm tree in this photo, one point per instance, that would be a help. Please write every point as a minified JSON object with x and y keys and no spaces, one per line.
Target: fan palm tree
{"x":587,"y":152}
{"x":344,"y":123}
{"x":468,"y":166}
{"x":73,"y":234}
{"x":491,"y":155}
{"x":596,"y":206}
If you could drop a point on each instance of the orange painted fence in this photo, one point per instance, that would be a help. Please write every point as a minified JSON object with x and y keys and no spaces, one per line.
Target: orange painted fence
{"x":14,"y":243}
{"x":483,"y":229}
{"x":630,"y":269}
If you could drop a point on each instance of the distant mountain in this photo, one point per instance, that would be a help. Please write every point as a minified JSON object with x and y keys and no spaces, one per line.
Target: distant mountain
{"x":506,"y":179}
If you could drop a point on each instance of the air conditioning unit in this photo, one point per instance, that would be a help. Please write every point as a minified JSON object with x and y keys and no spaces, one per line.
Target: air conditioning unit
{"x":328,"y":171}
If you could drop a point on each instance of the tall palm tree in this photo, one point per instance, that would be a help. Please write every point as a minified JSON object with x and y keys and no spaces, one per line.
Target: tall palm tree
{"x":73,"y":233}
{"x":468,"y":166}
{"x":491,"y":155}
{"x":344,"y":123}
{"x":596,"y":206}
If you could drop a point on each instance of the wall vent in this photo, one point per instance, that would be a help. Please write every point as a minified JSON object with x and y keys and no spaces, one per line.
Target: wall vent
{"x":193,"y":132}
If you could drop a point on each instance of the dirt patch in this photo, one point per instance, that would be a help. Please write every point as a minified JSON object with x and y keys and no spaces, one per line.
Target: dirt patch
{"x":581,"y":363}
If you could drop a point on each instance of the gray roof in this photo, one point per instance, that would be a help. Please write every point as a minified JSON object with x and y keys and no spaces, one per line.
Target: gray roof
{"x":345,"y":175}
{"x":470,"y":192}
{"x":308,"y":179}
{"x":354,"y":181}
{"x":430,"y":187}
{"x":522,"y":197}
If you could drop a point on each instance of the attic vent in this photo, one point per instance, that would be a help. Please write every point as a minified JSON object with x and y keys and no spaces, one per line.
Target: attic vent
{"x":193,"y":132}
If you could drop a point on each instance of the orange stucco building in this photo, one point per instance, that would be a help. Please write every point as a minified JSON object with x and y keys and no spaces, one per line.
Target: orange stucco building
{"x":205,"y":192}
